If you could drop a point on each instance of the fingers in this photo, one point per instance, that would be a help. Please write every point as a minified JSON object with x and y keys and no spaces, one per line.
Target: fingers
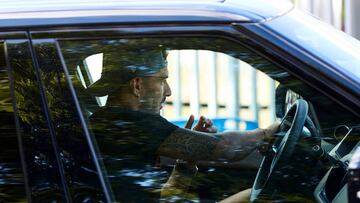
{"x":273,"y":128}
{"x":209,"y":126}
{"x":190,"y":122}
{"x":205,"y":125}
{"x":211,"y":130}
{"x":199,"y":124}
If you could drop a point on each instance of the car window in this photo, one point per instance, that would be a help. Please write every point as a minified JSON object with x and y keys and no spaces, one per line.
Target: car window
{"x":81,"y":173}
{"x":106,"y":147}
{"x":227,"y":82}
{"x":12,"y":178}
{"x":41,"y":160}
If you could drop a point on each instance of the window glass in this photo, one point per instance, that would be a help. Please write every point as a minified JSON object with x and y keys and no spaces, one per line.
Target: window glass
{"x":12,"y":184}
{"x":42,"y":163}
{"x":81,"y":175}
{"x":196,"y":76}
{"x":153,"y":85}
{"x":92,"y":67}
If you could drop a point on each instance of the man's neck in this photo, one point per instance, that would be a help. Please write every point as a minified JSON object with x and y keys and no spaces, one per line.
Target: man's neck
{"x":124,"y":102}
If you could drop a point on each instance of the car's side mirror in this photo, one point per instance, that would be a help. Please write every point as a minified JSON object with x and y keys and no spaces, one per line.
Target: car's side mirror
{"x":280,"y":98}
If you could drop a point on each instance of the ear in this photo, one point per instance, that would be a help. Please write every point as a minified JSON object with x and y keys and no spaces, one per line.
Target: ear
{"x":135,"y":86}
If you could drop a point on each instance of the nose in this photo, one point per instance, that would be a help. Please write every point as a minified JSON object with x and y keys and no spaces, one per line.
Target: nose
{"x":167,"y":91}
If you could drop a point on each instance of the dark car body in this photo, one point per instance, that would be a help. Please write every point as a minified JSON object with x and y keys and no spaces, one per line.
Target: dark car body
{"x":48,"y":151}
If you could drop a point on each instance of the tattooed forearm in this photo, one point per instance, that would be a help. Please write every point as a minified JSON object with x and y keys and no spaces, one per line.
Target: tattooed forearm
{"x":189,"y":145}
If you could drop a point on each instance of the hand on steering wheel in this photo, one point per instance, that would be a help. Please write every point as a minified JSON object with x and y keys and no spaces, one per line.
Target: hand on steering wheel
{"x":283,"y":147}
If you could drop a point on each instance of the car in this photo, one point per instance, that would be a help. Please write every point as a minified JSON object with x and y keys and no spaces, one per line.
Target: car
{"x":51,"y":53}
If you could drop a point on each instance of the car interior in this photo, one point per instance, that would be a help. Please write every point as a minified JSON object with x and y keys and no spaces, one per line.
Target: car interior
{"x":308,"y":158}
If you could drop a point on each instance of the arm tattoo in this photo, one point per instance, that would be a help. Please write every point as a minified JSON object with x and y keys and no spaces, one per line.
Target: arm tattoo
{"x":189,"y":145}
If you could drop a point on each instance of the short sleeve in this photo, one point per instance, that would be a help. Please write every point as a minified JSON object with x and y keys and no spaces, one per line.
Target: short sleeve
{"x":159,"y":128}
{"x":130,"y":133}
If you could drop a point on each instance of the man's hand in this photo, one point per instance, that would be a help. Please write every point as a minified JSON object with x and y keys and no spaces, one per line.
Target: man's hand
{"x":203,"y":125}
{"x":181,"y":176}
{"x":270,"y":130}
{"x":264,"y":147}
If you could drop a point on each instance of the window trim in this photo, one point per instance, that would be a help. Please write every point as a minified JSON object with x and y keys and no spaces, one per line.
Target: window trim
{"x":304,"y":70}
{"x":17,"y":121}
{"x":105,"y":184}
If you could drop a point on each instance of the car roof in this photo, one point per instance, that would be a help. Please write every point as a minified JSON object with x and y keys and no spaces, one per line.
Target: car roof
{"x":29,"y":13}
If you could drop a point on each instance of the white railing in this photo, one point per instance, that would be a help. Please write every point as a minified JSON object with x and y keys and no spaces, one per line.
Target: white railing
{"x":223,"y":73}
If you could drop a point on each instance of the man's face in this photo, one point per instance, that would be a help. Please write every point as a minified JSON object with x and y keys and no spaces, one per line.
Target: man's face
{"x":154,"y":91}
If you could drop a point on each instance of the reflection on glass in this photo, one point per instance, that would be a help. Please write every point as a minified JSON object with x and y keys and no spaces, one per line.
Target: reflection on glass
{"x":42,"y":169}
{"x":81,"y":175}
{"x":12,"y":186}
{"x":129,"y":130}
{"x":128,"y":140}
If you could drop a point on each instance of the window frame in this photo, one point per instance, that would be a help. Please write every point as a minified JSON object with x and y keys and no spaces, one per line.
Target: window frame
{"x":240,"y":36}
{"x":249,"y":35}
{"x":17,"y":135}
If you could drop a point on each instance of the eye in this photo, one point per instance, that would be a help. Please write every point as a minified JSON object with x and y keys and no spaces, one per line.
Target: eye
{"x":163,"y":80}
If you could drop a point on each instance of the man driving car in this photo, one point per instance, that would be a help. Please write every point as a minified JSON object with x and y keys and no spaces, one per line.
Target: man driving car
{"x":130,"y":124}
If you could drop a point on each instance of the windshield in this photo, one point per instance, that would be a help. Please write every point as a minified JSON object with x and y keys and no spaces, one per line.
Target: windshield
{"x":333,"y":46}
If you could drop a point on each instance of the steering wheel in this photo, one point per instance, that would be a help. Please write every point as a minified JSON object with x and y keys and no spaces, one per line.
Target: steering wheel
{"x":283,"y":147}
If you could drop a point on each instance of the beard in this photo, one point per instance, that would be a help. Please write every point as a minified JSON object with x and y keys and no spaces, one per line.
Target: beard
{"x":151,"y":105}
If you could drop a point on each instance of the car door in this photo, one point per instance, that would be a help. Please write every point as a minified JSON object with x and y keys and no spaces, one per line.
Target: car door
{"x":56,"y":160}
{"x":70,"y":52}
{"x":76,"y":59}
{"x":13,"y":184}
{"x":45,"y":176}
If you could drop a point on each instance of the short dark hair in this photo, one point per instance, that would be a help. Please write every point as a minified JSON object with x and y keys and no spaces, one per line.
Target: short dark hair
{"x":119,"y":68}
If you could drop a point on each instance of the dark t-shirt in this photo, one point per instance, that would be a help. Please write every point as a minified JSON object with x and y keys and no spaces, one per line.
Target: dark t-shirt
{"x":128,"y":142}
